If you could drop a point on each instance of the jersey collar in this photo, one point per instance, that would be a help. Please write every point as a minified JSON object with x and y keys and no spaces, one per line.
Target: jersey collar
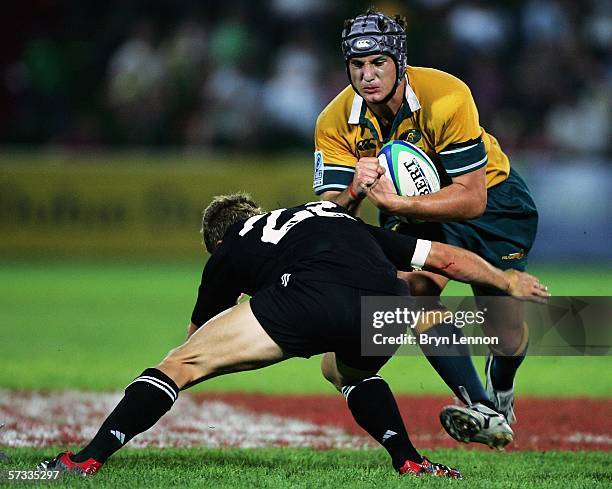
{"x":358,"y":107}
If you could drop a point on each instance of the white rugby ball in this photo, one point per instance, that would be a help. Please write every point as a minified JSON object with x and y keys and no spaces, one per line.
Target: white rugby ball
{"x":409,"y":168}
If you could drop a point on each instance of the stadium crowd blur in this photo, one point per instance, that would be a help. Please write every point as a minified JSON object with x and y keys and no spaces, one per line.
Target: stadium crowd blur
{"x":255,"y":74}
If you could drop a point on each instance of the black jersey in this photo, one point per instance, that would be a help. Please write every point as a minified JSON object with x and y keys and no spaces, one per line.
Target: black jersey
{"x":317,"y":241}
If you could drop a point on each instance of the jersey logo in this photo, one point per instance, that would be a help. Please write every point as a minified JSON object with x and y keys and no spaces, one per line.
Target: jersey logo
{"x":366,"y":144}
{"x":285,"y":279}
{"x":412,"y":136}
{"x":318,"y":169}
{"x":515,"y":256}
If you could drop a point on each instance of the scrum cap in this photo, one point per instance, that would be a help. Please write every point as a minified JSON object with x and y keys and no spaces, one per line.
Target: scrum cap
{"x":374,"y":33}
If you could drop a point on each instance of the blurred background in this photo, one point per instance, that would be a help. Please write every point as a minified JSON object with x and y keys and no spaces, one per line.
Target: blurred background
{"x":119,"y":120}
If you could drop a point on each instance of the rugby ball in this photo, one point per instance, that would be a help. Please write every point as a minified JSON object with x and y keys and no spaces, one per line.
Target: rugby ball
{"x":410,"y":170}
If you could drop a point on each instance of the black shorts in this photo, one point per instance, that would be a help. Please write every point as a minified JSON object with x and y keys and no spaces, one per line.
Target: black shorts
{"x":306,"y":318}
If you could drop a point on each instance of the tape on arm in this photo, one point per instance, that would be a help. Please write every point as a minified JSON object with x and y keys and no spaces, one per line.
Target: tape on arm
{"x":421,"y":252}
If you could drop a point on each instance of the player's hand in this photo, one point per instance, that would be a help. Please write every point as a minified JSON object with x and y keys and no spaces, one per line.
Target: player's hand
{"x":526,"y":287}
{"x":367,"y":172}
{"x":384,"y":196}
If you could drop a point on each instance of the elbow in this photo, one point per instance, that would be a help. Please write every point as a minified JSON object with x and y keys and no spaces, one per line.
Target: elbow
{"x":481,"y":205}
{"x":475,"y":213}
{"x":477,"y":207}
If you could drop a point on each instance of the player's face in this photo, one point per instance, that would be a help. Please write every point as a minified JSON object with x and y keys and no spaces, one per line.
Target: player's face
{"x":373,"y":76}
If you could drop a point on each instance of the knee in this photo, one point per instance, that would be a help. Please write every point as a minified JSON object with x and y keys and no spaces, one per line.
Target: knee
{"x":506,"y":347}
{"x":512,"y":341}
{"x":181,"y":370}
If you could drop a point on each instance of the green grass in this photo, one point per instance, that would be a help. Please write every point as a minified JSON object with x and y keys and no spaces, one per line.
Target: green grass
{"x":306,"y":468}
{"x":95,"y":325}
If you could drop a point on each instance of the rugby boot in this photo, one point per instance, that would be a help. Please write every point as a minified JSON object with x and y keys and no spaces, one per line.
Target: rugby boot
{"x":64,"y":463}
{"x":427,"y":467}
{"x":477,"y":423}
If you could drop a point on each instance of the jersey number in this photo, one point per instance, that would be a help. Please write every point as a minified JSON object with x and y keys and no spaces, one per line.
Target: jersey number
{"x":270,"y":234}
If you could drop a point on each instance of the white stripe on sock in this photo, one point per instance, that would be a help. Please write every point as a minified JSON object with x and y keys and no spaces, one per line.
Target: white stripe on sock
{"x":161,"y":387}
{"x":161,"y":382}
{"x":347,"y":389}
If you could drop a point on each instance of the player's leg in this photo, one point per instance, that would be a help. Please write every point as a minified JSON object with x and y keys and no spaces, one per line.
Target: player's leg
{"x":231,"y":342}
{"x":503,"y":236}
{"x":372,"y":404}
{"x":457,"y":371}
{"x":512,"y":219}
{"x":478,"y":421}
{"x":504,"y":319}
{"x":374,"y":408}
{"x":456,"y":368}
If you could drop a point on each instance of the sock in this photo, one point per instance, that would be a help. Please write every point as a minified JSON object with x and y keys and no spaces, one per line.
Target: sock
{"x":146,"y":400}
{"x":454,"y":365}
{"x":374,"y":408}
{"x":503,"y":370}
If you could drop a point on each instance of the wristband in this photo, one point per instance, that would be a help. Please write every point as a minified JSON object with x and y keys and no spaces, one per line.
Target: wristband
{"x":353,"y":194}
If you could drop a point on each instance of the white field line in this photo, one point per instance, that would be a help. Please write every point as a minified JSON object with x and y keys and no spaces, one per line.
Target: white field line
{"x":38,"y":419}
{"x":34,"y":419}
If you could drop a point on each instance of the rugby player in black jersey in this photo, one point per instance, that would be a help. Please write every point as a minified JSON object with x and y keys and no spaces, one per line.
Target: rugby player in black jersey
{"x":306,"y":268}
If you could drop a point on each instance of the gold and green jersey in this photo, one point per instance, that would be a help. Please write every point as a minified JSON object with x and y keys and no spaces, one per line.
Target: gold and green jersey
{"x":438,"y":115}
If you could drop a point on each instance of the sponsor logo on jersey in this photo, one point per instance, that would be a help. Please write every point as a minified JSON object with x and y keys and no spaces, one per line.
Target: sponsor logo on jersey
{"x":514,"y":256}
{"x":412,"y":136}
{"x":366,"y":144}
{"x":318,"y":169}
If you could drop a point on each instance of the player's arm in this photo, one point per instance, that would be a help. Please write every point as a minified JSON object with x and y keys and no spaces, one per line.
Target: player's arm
{"x":339,"y":175}
{"x":465,"y":198}
{"x":367,"y":172}
{"x":343,"y":198}
{"x":407,"y":252}
{"x":465,"y":266}
{"x":217,"y":292}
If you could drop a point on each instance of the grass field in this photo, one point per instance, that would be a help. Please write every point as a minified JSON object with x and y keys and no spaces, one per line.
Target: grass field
{"x":305,"y":468}
{"x":96,"y":325}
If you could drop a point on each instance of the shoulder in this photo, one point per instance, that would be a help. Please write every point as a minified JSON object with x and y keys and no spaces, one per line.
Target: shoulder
{"x":431,"y":81}
{"x":337,"y":112}
{"x":438,"y":89}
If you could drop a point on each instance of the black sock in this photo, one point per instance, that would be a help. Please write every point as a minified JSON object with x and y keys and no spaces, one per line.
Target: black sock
{"x":454,"y":364}
{"x":146,"y":400}
{"x":503,"y":370}
{"x":374,"y":408}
